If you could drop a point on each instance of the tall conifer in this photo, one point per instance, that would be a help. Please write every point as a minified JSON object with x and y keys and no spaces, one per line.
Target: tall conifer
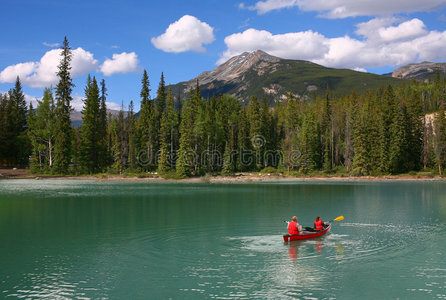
{"x":63,"y":143}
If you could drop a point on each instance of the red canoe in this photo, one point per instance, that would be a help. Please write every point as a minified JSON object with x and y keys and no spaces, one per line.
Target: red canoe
{"x":306,"y":235}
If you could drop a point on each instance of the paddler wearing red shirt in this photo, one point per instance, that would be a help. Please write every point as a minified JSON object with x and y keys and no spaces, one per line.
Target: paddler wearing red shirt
{"x":318,"y":224}
{"x":294,"y":227}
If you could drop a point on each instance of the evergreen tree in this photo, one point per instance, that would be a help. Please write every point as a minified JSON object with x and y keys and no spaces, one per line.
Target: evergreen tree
{"x":257,"y":139}
{"x":146,"y":126}
{"x":168,"y":134}
{"x":387,"y":116}
{"x":131,"y":125}
{"x":416,"y":129}
{"x":327,"y":133}
{"x":440,"y":138}
{"x":245,"y":158}
{"x":310,"y":144}
{"x":360,"y":141}
{"x":16,"y":150}
{"x":399,"y":141}
{"x":161,"y":97}
{"x":90,"y":131}
{"x":228,"y":164}
{"x":188,"y":149}
{"x":35,"y":163}
{"x":102,"y":130}
{"x":348,"y":132}
{"x":119,"y":142}
{"x":291,"y":123}
{"x":63,"y":143}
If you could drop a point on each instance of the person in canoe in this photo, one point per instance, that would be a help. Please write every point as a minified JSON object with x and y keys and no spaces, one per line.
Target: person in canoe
{"x":319,"y":224}
{"x":294,"y":227}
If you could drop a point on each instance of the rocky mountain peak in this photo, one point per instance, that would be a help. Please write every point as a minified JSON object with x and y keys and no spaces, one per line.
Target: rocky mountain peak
{"x":235,"y":67}
{"x":419,"y":70}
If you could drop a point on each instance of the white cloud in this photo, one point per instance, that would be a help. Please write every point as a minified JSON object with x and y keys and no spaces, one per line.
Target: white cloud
{"x":10,"y":73}
{"x":263,"y":7}
{"x":43,"y":73}
{"x":384,"y":42}
{"x":186,"y":34}
{"x":51,"y":45}
{"x":78,"y":103}
{"x":350,"y":8}
{"x":121,"y":63}
{"x":114,"y":106}
{"x":305,"y":45}
{"x":407,"y":30}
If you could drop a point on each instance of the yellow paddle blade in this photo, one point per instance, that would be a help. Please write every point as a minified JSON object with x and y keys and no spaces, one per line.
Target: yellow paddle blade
{"x":340,"y":218}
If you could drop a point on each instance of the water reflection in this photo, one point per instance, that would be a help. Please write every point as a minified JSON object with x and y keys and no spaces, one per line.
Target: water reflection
{"x":111,"y":240}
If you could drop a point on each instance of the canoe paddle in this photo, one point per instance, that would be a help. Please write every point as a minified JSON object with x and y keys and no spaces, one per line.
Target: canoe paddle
{"x":340,"y":218}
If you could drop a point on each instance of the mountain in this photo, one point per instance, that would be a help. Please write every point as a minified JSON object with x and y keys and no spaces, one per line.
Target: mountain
{"x":258,"y":73}
{"x":76,"y":116}
{"x":419,"y":71}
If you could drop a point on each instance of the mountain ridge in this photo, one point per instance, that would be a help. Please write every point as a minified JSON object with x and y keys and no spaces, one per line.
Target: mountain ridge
{"x":259,"y":73}
{"x":419,"y":71}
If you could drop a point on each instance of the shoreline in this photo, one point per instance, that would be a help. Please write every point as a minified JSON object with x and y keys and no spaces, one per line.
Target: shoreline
{"x":6,"y":174}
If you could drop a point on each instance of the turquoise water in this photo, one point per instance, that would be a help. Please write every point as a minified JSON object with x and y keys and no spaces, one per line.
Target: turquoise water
{"x":85,"y":239}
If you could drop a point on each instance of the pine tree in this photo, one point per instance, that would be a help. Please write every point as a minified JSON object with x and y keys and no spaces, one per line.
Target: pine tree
{"x":257,"y":139}
{"x":348,"y":132}
{"x":131,"y":125}
{"x":188,"y":149}
{"x":398,"y":154}
{"x":327,"y":133}
{"x":228,"y":164}
{"x":102,"y":130}
{"x":360,"y":141}
{"x":146,"y":126}
{"x":168,"y":133}
{"x":386,"y":117}
{"x":416,"y":129}
{"x":292,"y":123}
{"x":440,"y":138}
{"x":90,"y":131}
{"x":17,"y":141}
{"x":35,"y":163}
{"x":63,"y":143}
{"x":267,"y":133}
{"x":310,"y":144}
{"x":119,"y":142}
{"x":161,"y":97}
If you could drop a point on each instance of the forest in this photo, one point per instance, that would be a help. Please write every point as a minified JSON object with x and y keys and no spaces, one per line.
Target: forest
{"x":391,"y":130}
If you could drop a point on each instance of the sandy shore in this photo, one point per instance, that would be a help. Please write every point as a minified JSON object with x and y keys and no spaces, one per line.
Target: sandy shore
{"x":238,"y":178}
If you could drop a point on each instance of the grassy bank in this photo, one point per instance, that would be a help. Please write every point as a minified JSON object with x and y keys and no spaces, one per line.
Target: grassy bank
{"x":267,"y":174}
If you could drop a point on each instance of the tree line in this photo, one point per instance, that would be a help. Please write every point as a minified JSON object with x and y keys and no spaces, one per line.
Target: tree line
{"x":391,"y":130}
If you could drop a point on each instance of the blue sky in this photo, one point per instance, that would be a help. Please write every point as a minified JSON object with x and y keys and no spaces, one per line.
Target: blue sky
{"x":116,"y":40}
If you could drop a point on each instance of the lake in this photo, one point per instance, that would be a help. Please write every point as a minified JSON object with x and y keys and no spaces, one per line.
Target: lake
{"x":82,"y":239}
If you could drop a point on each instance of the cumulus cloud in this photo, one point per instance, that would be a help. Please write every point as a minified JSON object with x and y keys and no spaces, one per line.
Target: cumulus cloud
{"x":43,"y":73}
{"x":78,"y":103}
{"x":121,"y":63}
{"x":349,"y":8}
{"x":186,"y":34}
{"x":383,"y":42}
{"x":305,"y":45}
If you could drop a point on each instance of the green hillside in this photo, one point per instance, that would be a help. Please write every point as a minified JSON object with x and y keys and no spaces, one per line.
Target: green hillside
{"x":300,"y":77}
